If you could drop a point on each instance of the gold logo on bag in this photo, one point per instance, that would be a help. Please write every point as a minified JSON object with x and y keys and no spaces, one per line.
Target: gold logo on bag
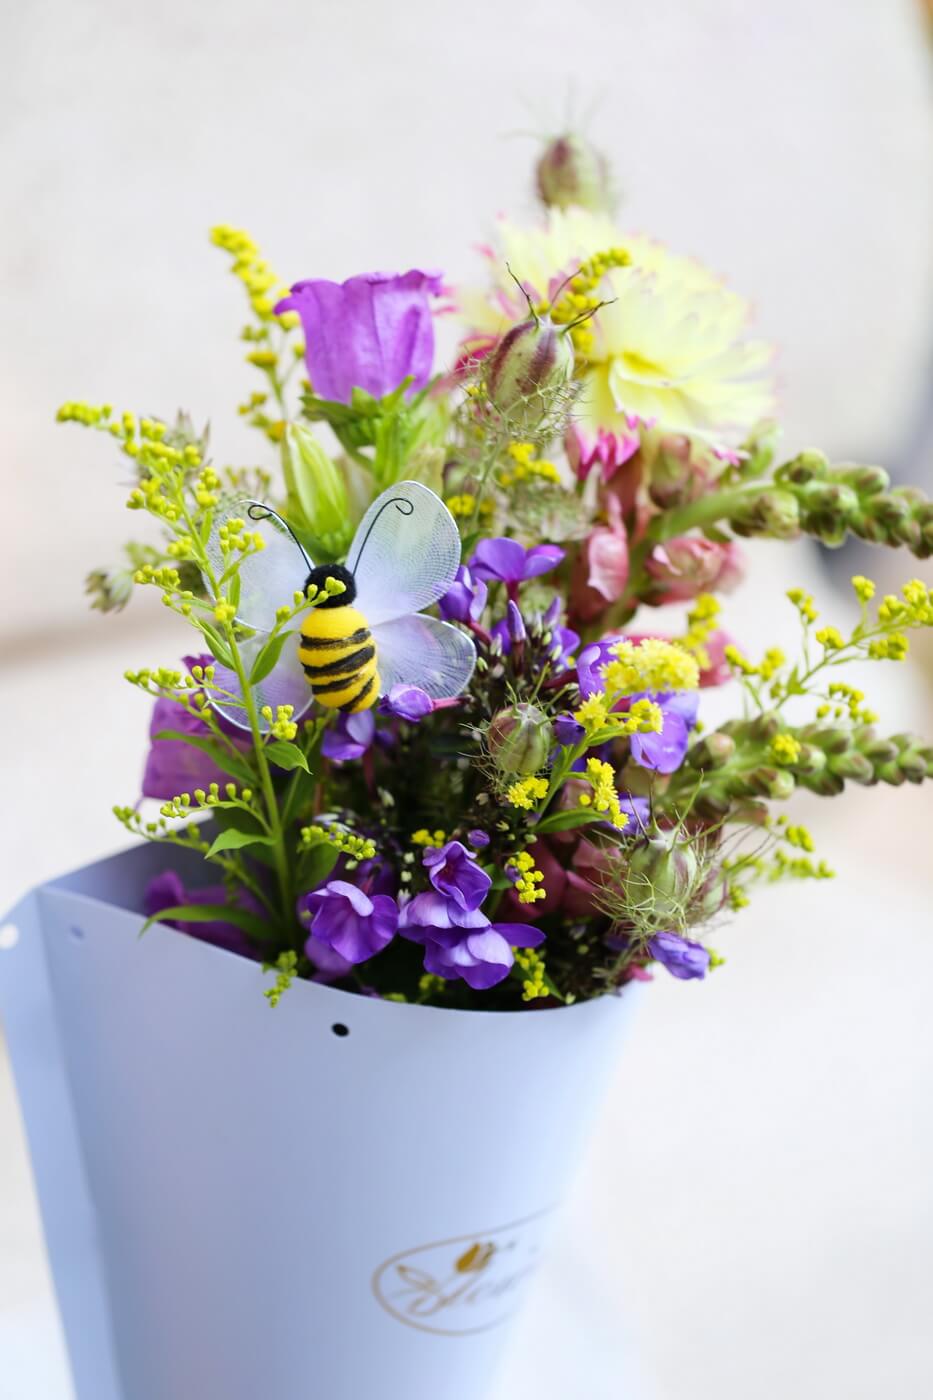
{"x":461,"y":1285}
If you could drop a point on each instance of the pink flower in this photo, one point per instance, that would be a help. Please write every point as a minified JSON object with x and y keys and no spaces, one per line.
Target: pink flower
{"x":608,"y":451}
{"x":601,"y":571}
{"x":683,"y":567}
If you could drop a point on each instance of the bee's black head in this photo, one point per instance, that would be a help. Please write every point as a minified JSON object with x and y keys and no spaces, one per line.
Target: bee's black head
{"x":319,"y":576}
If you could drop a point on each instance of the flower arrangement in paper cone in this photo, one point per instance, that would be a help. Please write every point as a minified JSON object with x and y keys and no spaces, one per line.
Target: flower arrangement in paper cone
{"x":437,"y":742}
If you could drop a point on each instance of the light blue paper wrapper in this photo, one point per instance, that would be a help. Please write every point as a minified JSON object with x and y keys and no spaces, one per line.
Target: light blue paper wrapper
{"x":241,"y":1204}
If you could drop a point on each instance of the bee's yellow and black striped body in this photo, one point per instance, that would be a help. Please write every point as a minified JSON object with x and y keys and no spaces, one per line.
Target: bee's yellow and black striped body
{"x":338,"y":654}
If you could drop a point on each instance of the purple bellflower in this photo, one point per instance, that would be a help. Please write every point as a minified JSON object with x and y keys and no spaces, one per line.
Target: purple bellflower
{"x":371,"y":332}
{"x":502,"y":560}
{"x":351,"y":923}
{"x":682,"y":958}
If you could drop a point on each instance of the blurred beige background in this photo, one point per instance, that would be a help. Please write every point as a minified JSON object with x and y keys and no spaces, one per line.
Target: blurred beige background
{"x":754,"y":1218}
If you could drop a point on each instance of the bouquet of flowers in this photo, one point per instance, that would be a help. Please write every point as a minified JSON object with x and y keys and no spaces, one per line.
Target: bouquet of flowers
{"x":434,"y":738}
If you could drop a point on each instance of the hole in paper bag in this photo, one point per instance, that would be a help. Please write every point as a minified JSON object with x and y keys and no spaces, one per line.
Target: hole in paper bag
{"x":9,"y":937}
{"x":76,"y":932}
{"x":339,"y":1028}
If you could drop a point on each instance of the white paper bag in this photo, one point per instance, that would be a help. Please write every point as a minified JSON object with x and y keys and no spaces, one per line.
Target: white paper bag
{"x":245,"y":1203}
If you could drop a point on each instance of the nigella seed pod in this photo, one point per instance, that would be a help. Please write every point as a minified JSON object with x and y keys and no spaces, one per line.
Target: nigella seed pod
{"x":520,"y":739}
{"x":572,"y":172}
{"x":661,"y":877}
{"x":527,"y":370}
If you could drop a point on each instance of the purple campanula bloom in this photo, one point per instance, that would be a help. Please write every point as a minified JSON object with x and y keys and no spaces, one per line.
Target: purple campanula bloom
{"x":348,"y":921}
{"x":454,"y":873}
{"x":478,"y":838}
{"x":167,"y":890}
{"x":371,"y":332}
{"x":502,"y":560}
{"x":463,"y":943}
{"x":465,"y":599}
{"x":350,"y":737}
{"x":680,"y":956}
{"x":407,"y":702}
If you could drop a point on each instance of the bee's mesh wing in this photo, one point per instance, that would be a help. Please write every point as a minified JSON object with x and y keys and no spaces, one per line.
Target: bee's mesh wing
{"x":284,"y":685}
{"x":268,"y":579}
{"x":405,"y":553}
{"x":420,"y":650}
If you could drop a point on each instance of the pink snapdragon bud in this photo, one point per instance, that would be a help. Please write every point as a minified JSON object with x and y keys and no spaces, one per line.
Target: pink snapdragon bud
{"x":528,"y":369}
{"x":602,"y":568}
{"x":683,"y":567}
{"x":572,"y":172}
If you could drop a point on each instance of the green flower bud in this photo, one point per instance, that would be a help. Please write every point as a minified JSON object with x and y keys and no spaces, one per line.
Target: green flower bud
{"x":853,"y":766}
{"x":520,"y":740}
{"x":830,"y":738}
{"x":824,"y":783}
{"x":675,"y":480}
{"x":316,"y":491}
{"x":810,"y":760}
{"x":712,"y":751}
{"x":774,"y":514}
{"x":832,"y":498}
{"x":761,"y":446}
{"x":661,"y":877}
{"x":527,"y":370}
{"x":809,"y":465}
{"x":572,"y":172}
{"x":867,"y":481}
{"x":915,"y":760}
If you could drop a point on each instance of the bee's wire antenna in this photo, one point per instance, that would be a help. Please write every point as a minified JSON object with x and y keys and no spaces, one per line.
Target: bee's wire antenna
{"x":258,"y":510}
{"x":401,"y":503}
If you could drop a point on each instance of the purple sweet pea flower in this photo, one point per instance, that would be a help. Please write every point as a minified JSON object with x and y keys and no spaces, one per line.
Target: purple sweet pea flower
{"x":350,"y":737}
{"x":465,"y":599}
{"x":665,"y":752}
{"x":408,"y":702}
{"x":463,"y":943}
{"x":454,"y":873}
{"x":348,"y":921}
{"x":568,"y":731}
{"x":680,"y":956}
{"x":503,"y":560}
{"x":167,"y":890}
{"x":371,"y":332}
{"x":477,"y":838}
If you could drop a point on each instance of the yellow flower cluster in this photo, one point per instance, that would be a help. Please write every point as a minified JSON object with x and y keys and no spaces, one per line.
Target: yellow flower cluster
{"x":428,"y":838}
{"x":180,"y":806}
{"x":643,"y":717}
{"x":527,"y":467}
{"x":801,"y":867}
{"x":804,"y":604}
{"x":581,"y":295}
{"x":282,"y":726}
{"x":785,"y":749}
{"x":864,"y":588}
{"x":846,"y":700}
{"x":650,"y":665}
{"x":529,"y":881}
{"x":701,"y":624}
{"x":262,"y":285}
{"x":893,"y":648}
{"x":605,"y":798}
{"x":527,"y":792}
{"x":531,"y":962}
{"x":830,"y":638}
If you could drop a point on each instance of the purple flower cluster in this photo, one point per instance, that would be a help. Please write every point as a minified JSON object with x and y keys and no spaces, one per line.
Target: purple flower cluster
{"x":458,"y":938}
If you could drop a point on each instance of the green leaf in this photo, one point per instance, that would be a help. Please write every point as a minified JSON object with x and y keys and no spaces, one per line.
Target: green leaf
{"x":212,"y":913}
{"x":216,"y":643}
{"x":565,"y":821}
{"x":233,"y":840}
{"x":226,"y":761}
{"x":268,"y":657}
{"x":286,"y":755}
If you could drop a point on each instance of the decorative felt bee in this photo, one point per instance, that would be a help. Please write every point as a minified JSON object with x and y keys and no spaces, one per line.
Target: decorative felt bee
{"x":358,"y":644}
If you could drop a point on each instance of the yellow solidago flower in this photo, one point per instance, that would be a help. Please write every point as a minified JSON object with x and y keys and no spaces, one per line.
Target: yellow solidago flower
{"x":529,"y":881}
{"x":671,"y":345}
{"x":650,"y":665}
{"x":785,"y":749}
{"x":605,"y":798}
{"x":527,"y":792}
{"x":423,"y":837}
